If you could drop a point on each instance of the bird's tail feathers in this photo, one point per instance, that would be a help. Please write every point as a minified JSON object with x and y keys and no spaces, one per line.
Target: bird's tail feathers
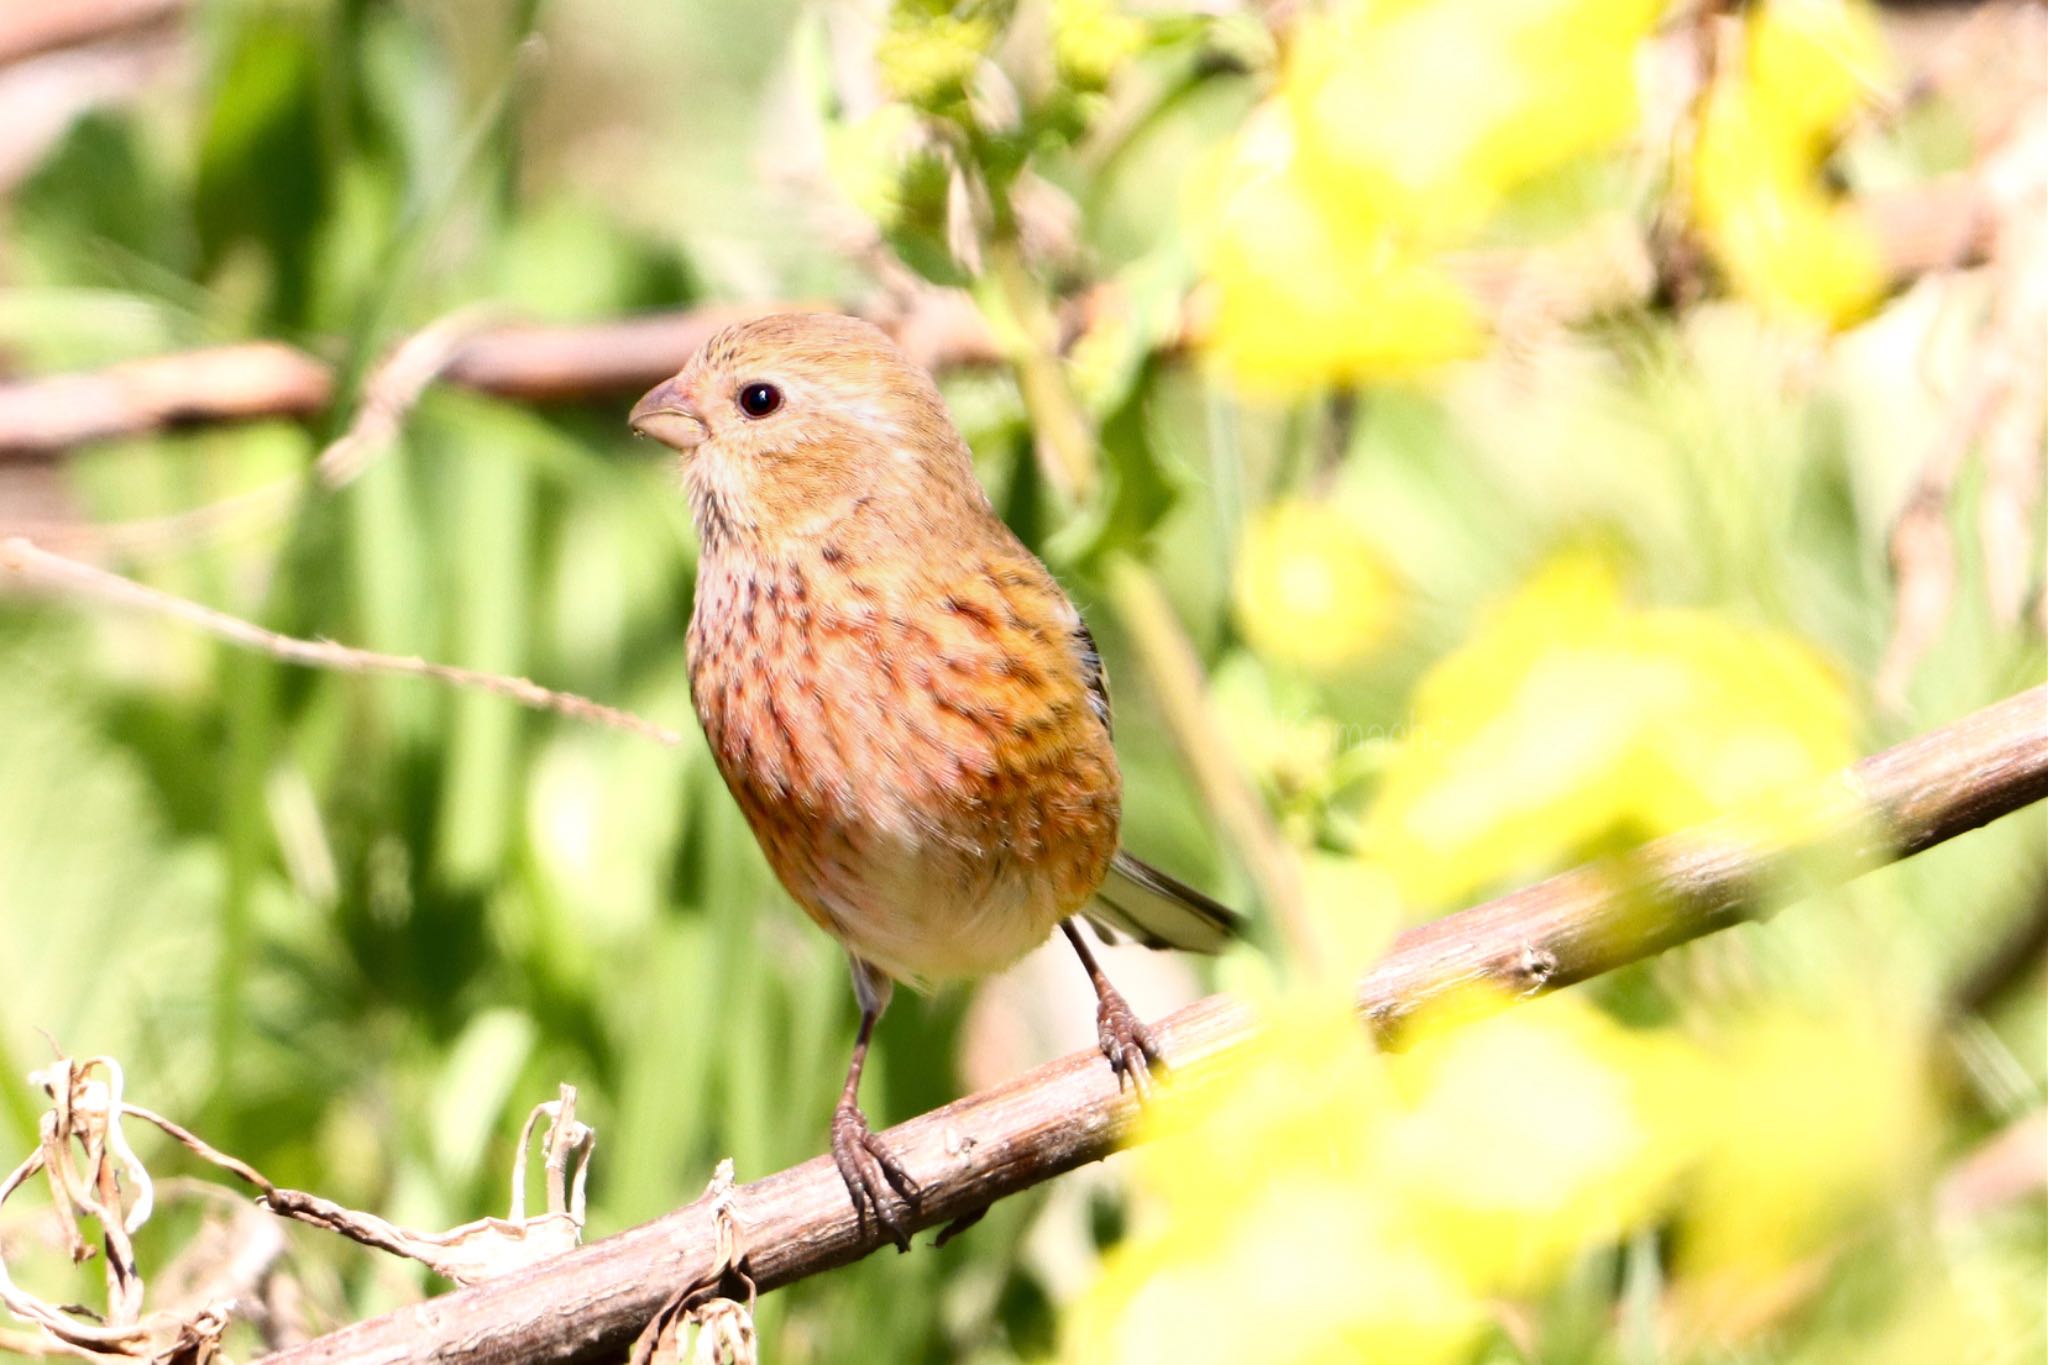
{"x":1160,"y":912}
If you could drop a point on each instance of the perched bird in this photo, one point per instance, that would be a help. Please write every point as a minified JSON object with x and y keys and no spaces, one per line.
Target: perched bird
{"x":907,"y":708}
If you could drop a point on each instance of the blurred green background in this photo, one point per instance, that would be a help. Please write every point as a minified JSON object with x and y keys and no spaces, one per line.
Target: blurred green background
{"x":1484,"y":580}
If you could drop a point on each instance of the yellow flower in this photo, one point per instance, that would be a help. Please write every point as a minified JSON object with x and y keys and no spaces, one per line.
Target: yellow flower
{"x":1396,"y":132}
{"x":1311,"y":589}
{"x":1358,"y":905}
{"x":1780,"y":236}
{"x":1812,"y":63}
{"x":869,"y":157}
{"x":1428,"y":114}
{"x":1266,"y":1153}
{"x":1091,"y":41}
{"x":1571,"y":720}
{"x":1247,"y":1292}
{"x":1421,"y":1186}
{"x":927,"y":59}
{"x":1815,"y":1120}
{"x":1535,"y":1133}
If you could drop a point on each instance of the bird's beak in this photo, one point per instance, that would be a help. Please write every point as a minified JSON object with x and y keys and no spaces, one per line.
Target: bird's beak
{"x":667,"y":415}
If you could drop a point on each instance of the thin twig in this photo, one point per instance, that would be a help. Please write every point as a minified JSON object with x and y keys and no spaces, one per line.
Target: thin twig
{"x":393,"y":388}
{"x":1180,"y":688}
{"x":31,"y":30}
{"x":590,"y":1304}
{"x":36,"y":567}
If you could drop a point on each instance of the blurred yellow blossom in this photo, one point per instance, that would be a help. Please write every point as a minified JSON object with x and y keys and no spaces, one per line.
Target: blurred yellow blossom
{"x":1091,"y":40}
{"x":1816,"y":1120}
{"x":1297,"y":1274}
{"x":1358,"y":905}
{"x":1396,"y":132}
{"x":1302,"y":300}
{"x":1271,"y":1153}
{"x":1311,"y":588}
{"x":928,"y":56}
{"x":1571,"y":720}
{"x":1814,"y":63}
{"x":1764,"y":132}
{"x":1425,"y":1184}
{"x":1425,"y":115}
{"x":1534,"y":1133}
{"x":868,"y":159}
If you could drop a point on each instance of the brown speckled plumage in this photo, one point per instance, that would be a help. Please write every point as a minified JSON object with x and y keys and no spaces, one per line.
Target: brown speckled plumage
{"x":902,"y":700}
{"x":927,"y":715}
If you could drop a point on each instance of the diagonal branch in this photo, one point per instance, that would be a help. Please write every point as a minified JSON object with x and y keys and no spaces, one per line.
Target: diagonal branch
{"x":588,"y":1305}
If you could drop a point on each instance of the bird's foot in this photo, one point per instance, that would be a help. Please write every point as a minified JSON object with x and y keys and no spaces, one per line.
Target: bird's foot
{"x":1132,"y":1050}
{"x":870,"y":1173}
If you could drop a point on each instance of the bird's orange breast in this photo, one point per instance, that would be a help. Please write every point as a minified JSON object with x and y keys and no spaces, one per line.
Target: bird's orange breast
{"x":918,"y":745}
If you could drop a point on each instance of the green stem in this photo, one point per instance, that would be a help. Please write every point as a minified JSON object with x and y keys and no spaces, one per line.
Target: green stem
{"x":1174,"y":672}
{"x":1066,"y":445}
{"x":1028,"y":331}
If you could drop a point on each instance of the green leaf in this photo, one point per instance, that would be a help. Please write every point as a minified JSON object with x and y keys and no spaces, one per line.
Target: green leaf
{"x":98,"y":211}
{"x":473,"y":1088}
{"x":263,"y":165}
{"x":1137,"y":490}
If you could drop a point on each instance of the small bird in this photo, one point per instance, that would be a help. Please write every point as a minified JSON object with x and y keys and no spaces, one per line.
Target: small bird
{"x":908,"y":709}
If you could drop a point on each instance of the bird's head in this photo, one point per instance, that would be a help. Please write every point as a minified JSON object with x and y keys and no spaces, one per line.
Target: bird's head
{"x":788,"y":425}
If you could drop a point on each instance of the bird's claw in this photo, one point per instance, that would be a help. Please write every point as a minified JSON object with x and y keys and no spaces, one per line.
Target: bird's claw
{"x":1130,"y":1046}
{"x":869,"y":1172}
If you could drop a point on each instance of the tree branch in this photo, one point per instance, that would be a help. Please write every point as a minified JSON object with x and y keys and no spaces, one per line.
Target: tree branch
{"x":33,"y":30}
{"x":1938,"y":225}
{"x":589,"y":1304}
{"x":42,"y":417}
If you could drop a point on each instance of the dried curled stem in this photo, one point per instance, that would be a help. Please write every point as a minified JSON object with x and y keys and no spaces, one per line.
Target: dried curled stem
{"x":94,"y":1175}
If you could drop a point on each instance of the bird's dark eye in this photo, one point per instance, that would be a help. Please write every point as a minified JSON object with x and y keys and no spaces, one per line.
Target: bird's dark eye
{"x":758,"y":400}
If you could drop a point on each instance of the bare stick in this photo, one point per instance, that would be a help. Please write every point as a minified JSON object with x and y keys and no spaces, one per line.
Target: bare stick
{"x":1173,"y":673}
{"x":588,"y":1305}
{"x":30,"y":30}
{"x":388,"y":394}
{"x":1941,"y":223}
{"x":42,"y":417}
{"x":33,"y":566}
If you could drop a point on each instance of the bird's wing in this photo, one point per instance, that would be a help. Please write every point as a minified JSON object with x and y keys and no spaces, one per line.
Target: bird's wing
{"x":1161,"y":912}
{"x":1050,"y":662}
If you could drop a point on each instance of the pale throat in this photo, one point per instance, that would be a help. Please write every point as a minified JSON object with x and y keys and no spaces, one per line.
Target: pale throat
{"x":891,"y":494}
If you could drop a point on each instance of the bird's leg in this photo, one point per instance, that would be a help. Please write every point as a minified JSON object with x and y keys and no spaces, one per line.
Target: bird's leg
{"x":864,"y":1163}
{"x":1121,"y":1034}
